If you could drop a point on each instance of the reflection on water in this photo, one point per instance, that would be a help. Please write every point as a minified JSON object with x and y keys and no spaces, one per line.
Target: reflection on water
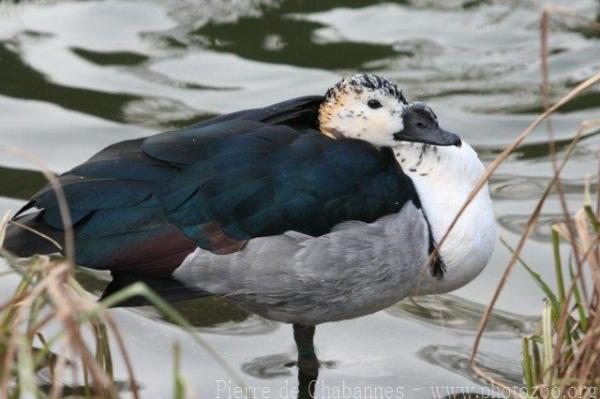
{"x":77,"y":76}
{"x":456,"y":358}
{"x":254,"y":38}
{"x":462,"y":316}
{"x":542,"y":231}
{"x":21,"y":81}
{"x":271,"y":366}
{"x":20,"y":183}
{"x":121,"y":387}
{"x":217,"y":316}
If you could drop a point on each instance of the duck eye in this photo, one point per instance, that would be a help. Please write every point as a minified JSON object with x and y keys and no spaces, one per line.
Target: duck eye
{"x":374,"y":104}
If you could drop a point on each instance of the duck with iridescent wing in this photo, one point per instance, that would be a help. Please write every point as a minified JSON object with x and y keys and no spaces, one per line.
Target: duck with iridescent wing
{"x":315,"y":209}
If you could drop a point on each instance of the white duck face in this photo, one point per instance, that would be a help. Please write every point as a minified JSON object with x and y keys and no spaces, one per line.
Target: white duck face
{"x":373,"y":109}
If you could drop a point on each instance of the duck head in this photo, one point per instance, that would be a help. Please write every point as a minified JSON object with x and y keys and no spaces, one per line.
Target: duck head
{"x":371,"y":108}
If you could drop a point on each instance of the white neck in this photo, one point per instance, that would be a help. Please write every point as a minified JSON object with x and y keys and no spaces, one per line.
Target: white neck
{"x":443,"y":178}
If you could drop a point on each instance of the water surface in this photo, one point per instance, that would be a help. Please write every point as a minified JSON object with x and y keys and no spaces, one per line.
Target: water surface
{"x":77,"y":76}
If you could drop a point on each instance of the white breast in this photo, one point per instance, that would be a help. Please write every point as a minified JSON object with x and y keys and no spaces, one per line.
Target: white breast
{"x":443,"y":178}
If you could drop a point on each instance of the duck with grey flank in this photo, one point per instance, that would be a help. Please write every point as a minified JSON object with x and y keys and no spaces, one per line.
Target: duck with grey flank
{"x":315,"y":209}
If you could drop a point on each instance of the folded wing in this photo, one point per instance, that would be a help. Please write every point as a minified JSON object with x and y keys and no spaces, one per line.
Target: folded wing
{"x":143,"y":205}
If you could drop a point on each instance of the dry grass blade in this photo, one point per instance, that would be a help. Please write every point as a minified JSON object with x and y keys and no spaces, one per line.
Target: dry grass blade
{"x":44,"y":236}
{"x":50,"y":280}
{"x":49,"y":288}
{"x":556,"y":357}
{"x":48,"y":283}
{"x":515,"y":257}
{"x":3,"y":224}
{"x":557,"y":170}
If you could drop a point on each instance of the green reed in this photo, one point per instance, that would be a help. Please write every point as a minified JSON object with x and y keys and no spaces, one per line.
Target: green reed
{"x":562,"y":357}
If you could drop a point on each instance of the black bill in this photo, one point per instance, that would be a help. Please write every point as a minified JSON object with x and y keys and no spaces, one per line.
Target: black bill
{"x":421,"y":126}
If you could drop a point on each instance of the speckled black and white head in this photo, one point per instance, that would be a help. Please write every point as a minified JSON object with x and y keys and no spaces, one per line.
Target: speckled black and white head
{"x":371,"y":108}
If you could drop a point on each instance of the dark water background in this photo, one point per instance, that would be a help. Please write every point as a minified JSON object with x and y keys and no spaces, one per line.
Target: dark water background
{"x":77,"y":76}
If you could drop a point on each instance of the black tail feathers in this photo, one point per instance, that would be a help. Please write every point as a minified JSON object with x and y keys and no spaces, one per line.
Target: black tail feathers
{"x":21,"y":238}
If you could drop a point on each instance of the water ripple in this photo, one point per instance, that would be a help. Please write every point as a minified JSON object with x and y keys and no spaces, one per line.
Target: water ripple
{"x":461,"y":316}
{"x":456,"y":359}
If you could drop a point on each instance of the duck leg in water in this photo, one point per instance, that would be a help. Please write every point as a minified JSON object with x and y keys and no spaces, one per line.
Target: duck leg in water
{"x":308,"y":364}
